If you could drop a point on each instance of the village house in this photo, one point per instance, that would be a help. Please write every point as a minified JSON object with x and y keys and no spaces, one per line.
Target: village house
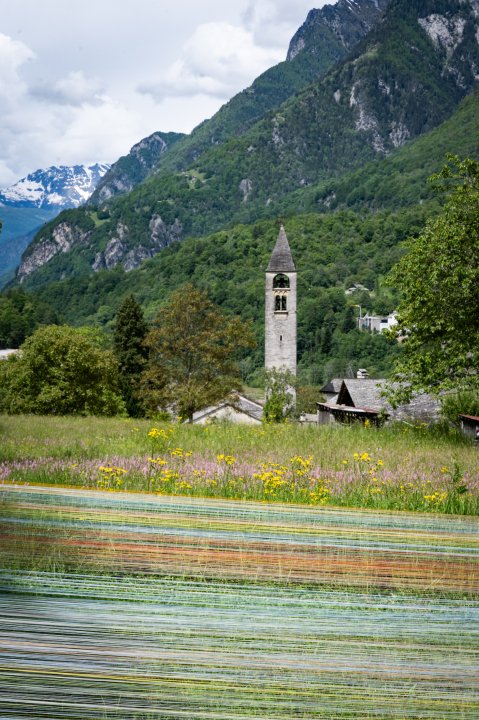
{"x":235,"y":409}
{"x":362,"y":399}
{"x":470,"y":426}
{"x":377,"y":323}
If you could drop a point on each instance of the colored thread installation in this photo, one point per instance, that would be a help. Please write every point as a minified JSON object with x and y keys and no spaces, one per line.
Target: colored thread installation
{"x":134,"y":606}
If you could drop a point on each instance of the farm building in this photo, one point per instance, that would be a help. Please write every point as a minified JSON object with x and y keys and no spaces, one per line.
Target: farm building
{"x":362,"y":399}
{"x":236,"y":409}
{"x":470,"y":426}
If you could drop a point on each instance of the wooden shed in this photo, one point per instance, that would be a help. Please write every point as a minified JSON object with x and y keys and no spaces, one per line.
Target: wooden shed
{"x":470,"y":426}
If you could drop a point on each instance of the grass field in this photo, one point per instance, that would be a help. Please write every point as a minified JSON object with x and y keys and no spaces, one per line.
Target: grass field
{"x":124,"y":596}
{"x":402,"y":467}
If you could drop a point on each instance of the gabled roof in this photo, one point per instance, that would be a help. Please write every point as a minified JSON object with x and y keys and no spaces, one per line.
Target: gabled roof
{"x":240,"y":403}
{"x":281,"y":259}
{"x":364,"y":393}
{"x":333,"y":386}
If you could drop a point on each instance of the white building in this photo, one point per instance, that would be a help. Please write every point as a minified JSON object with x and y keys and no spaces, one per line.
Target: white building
{"x":376,"y":323}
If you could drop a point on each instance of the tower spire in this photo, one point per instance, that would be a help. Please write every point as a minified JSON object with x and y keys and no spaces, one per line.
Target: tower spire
{"x":281,"y":259}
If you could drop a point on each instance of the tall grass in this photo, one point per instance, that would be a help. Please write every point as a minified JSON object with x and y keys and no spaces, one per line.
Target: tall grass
{"x":402,"y":467}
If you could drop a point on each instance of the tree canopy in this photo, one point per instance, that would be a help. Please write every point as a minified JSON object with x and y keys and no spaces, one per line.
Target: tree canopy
{"x":129,"y":333}
{"x":439,"y":280}
{"x":61,"y":370}
{"x":193,"y":354}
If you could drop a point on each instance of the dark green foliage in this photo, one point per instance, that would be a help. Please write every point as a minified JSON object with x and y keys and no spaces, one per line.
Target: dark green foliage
{"x":465,"y":403}
{"x":61,"y":371}
{"x":279,"y":389}
{"x":439,"y":279}
{"x":129,"y":333}
{"x":400,"y":179}
{"x":330,"y":251}
{"x":306,"y":398}
{"x":20,"y":315}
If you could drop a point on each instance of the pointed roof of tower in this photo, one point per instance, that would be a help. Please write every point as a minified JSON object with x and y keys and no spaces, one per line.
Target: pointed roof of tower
{"x":281,"y":259}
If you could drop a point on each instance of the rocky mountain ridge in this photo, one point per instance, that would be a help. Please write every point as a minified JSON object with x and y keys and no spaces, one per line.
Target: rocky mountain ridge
{"x":325,"y":38}
{"x":404,"y":78}
{"x":348,"y":20}
{"x":133,"y":168}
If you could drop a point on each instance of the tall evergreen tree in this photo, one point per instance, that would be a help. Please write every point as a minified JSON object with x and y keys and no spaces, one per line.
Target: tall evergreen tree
{"x":130,"y":331}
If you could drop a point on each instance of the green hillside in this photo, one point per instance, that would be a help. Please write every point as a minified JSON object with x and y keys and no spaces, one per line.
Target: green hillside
{"x":325,"y":38}
{"x":133,"y":168}
{"x":400,"y":179}
{"x":331,"y":252}
{"x":332,"y":249}
{"x":398,"y":83}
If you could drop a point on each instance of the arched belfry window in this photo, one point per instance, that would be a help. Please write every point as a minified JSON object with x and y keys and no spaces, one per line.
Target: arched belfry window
{"x":280,"y":281}
{"x":280,"y":304}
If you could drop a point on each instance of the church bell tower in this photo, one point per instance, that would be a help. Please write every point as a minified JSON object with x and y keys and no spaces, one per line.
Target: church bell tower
{"x":280,"y":308}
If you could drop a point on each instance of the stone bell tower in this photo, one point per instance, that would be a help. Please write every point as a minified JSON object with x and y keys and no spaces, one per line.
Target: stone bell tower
{"x":280,"y":308}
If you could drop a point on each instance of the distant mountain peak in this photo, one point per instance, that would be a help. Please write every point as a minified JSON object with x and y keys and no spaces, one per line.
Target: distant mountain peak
{"x":55,"y":187}
{"x":347,"y":20}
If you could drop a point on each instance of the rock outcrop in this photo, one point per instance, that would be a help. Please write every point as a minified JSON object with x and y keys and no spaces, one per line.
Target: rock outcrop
{"x":63,"y":238}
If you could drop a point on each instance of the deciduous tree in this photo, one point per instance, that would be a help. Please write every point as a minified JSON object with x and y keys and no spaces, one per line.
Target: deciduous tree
{"x":439,"y":280}
{"x":280,"y":395}
{"x":193,"y":354}
{"x":61,"y":370}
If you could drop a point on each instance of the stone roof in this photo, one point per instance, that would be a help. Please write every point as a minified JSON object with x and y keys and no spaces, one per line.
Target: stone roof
{"x":240,"y":403}
{"x":333,"y":386}
{"x":281,"y":259}
{"x":366,"y":394}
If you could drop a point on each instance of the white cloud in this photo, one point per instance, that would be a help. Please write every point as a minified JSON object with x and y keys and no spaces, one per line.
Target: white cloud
{"x":97,"y":132}
{"x":273,"y":22}
{"x":13,"y":54}
{"x":76,"y":91}
{"x":73,"y":89}
{"x":219,"y":59}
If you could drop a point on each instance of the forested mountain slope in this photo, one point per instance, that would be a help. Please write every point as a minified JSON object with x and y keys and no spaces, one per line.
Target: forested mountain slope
{"x":326,"y":36}
{"x":332,"y":251}
{"x":404,"y":78}
{"x":133,"y":168}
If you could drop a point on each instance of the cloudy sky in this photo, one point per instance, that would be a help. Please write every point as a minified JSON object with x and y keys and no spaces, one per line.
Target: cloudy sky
{"x":82,"y":80}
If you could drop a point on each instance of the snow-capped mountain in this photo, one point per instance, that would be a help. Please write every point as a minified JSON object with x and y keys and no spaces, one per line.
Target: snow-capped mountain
{"x":56,"y":187}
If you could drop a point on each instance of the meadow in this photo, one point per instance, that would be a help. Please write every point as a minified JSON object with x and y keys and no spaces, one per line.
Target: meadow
{"x":122,"y":595}
{"x":402,"y":467}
